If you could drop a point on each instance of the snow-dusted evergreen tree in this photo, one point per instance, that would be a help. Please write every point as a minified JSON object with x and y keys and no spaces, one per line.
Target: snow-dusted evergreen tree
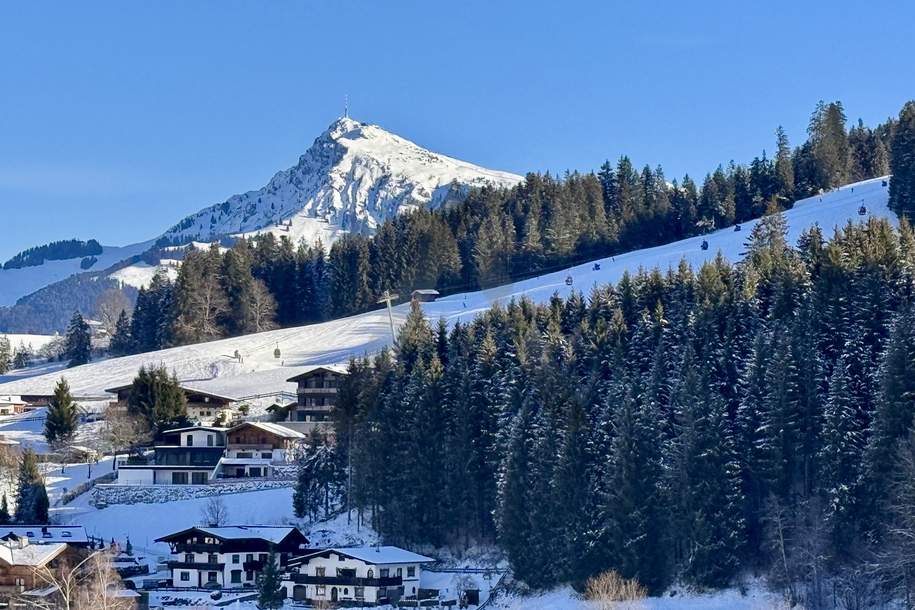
{"x":63,"y":416}
{"x":78,"y":342}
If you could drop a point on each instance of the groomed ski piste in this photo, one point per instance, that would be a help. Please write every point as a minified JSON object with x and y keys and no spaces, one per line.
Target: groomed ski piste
{"x":213,"y":366}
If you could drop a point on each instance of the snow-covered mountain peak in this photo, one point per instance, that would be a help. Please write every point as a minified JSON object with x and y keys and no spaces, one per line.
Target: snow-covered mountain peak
{"x":353,"y":177}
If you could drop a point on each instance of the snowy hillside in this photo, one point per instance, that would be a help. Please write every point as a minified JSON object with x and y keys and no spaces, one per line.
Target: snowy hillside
{"x":211,"y":366}
{"x":17,"y":283}
{"x":353,"y":177}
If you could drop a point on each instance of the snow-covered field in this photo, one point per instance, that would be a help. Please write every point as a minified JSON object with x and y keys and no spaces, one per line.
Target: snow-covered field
{"x":210,"y":366}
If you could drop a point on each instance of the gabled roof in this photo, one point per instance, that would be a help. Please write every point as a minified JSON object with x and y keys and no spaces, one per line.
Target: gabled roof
{"x":186,"y":388}
{"x":376,"y":555}
{"x":328,"y":368}
{"x":431,"y":291}
{"x":32,"y":555}
{"x":269,"y":533}
{"x":271,"y":428}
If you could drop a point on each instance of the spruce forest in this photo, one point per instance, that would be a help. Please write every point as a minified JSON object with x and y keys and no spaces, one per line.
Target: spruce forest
{"x":681,"y":426}
{"x":498,"y":236}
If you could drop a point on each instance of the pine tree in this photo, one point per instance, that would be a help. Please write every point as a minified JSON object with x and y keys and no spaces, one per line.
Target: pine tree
{"x":902,"y":163}
{"x":157,"y":397}
{"x":784,"y":167}
{"x":5,"y":355}
{"x":5,"y":518}
{"x":270,"y":592}
{"x":62,"y":417}
{"x":121,"y":341}
{"x":78,"y":346}
{"x":32,"y":498}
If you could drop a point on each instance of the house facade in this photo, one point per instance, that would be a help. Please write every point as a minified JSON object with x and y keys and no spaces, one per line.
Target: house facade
{"x":11,"y":405}
{"x":202,"y":407}
{"x":316,"y":398}
{"x":230,"y":557}
{"x":20,"y":559}
{"x":185,"y":456}
{"x":255,"y":449}
{"x":368,"y":575}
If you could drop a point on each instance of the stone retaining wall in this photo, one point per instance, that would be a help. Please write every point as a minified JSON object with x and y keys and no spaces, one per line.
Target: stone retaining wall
{"x":104,"y":495}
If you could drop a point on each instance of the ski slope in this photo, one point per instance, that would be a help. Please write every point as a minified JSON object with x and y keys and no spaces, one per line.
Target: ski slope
{"x":211,"y":366}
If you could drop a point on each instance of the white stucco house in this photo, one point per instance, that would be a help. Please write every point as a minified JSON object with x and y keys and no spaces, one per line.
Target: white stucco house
{"x":368,"y":575}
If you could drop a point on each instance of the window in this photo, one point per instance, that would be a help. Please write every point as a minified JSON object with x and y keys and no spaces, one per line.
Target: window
{"x":411,"y":571}
{"x":199,"y":478}
{"x":235,"y":558}
{"x":188,"y":558}
{"x":236,"y":576}
{"x":341,"y":558}
{"x":189,"y":440}
{"x":179,"y":478}
{"x":371,"y":573}
{"x":185,"y":576}
{"x":359,"y":592}
{"x":399,"y":572}
{"x":249,"y":575}
{"x":320,"y":572}
{"x":320,"y":590}
{"x":211,"y":576}
{"x":209,"y":440}
{"x":385,"y":572}
{"x":345,"y":591}
{"x":300,"y":415}
{"x":249,"y":557}
{"x":211,"y":558}
{"x":266,"y":455}
{"x":263,"y":557}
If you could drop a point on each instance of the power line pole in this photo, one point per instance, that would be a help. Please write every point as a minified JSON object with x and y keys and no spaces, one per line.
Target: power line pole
{"x":387,"y":297}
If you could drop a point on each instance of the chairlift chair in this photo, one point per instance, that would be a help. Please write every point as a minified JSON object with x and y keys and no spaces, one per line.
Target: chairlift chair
{"x":568,"y":280}
{"x":736,"y":228}
{"x":862,"y":211}
{"x":704,"y":245}
{"x":276,"y":352}
{"x":596,"y":267}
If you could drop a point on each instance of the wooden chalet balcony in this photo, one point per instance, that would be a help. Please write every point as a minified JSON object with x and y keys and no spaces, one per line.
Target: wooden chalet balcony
{"x":354,"y":581}
{"x":316,"y":390}
{"x":195,"y":565}
{"x":255,"y":565}
{"x":196,"y":547}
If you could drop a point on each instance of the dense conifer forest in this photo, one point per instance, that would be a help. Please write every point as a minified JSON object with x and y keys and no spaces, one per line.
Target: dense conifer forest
{"x":497,"y":236}
{"x":54,"y":251}
{"x":688,"y":424}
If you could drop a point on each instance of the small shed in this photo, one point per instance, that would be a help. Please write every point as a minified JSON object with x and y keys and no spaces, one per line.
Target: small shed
{"x":424,"y":295}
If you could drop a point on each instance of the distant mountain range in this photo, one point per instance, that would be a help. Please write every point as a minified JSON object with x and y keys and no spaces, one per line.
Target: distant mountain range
{"x":352,"y":178}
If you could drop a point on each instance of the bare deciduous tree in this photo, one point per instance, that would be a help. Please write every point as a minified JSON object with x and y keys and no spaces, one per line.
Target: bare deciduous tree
{"x":125,"y":432}
{"x":91,"y":584}
{"x":215,"y":512}
{"x":610,"y":591}
{"x":109,"y":305}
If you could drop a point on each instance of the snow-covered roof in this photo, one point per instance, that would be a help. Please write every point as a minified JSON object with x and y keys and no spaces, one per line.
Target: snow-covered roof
{"x":11,"y":400}
{"x":46,"y":534}
{"x":376,"y":555}
{"x":430,"y":291}
{"x":269,"y":533}
{"x":34,"y":555}
{"x":245,"y":461}
{"x":330,"y":368}
{"x":270,"y":427}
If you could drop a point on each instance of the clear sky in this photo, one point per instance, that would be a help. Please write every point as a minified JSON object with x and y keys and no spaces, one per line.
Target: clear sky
{"x":118,"y":118}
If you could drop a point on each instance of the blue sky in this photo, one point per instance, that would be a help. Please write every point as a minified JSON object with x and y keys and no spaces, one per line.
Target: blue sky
{"x":118,"y":118}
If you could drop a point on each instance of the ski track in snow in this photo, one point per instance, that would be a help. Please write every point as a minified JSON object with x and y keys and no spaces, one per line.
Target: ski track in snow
{"x":211,"y":367}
